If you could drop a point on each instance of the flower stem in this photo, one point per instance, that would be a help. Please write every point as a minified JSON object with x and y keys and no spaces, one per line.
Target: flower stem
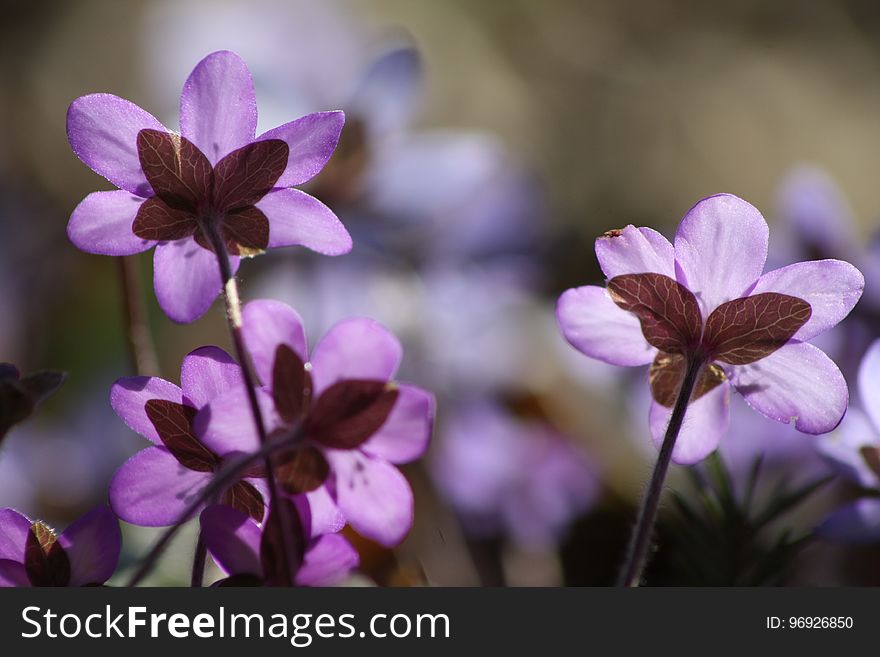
{"x":141,"y":350}
{"x":199,"y":559}
{"x":641,"y":536}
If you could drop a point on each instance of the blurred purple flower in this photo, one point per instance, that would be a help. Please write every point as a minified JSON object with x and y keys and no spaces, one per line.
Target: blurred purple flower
{"x":517,"y":478}
{"x":756,"y":326}
{"x":85,"y":554}
{"x":215,"y":171}
{"x":356,"y":423}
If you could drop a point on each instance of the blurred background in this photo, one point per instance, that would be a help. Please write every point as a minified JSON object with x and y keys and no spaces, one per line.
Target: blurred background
{"x":487,"y":144}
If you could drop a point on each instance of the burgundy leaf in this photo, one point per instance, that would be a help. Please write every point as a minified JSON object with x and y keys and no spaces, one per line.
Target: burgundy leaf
{"x":667,"y":373}
{"x":19,"y":396}
{"x":173,"y":423}
{"x":244,"y":497}
{"x":45,"y":561}
{"x":245,"y":231}
{"x":666,"y":309}
{"x":176,"y":169}
{"x":301,"y":470}
{"x":744,"y":330}
{"x":276,"y":570}
{"x":349,"y":412}
{"x":871,"y":455}
{"x":246,"y":175}
{"x":155,"y":220}
{"x":291,"y":384}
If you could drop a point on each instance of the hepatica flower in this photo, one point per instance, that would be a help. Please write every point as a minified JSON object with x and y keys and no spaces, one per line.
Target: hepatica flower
{"x":704,"y":303}
{"x":213,"y":185}
{"x":354,"y":421}
{"x":154,"y":487}
{"x":85,"y":554}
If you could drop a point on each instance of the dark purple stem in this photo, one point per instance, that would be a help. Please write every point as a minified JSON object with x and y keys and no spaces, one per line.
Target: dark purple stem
{"x":199,"y":559}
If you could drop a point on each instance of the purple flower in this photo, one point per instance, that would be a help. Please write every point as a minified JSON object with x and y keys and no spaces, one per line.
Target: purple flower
{"x":214,"y":177}
{"x":706,"y":298}
{"x":85,"y":554}
{"x":854,"y":451}
{"x":248,"y":554}
{"x":355,"y":422}
{"x":154,"y":487}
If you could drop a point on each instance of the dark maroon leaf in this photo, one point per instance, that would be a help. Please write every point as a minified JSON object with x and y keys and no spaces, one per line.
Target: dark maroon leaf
{"x":291,"y":384}
{"x":667,"y":310}
{"x":246,"y":175}
{"x":45,"y":561}
{"x":176,"y":169}
{"x":245,"y":498}
{"x":173,"y":423}
{"x":349,"y":412}
{"x":155,"y":220}
{"x":744,"y":330}
{"x":871,"y":455}
{"x":301,"y":470}
{"x":20,"y":396}
{"x":245,"y":231}
{"x":276,"y":570}
{"x":41,"y":385}
{"x":667,"y":373}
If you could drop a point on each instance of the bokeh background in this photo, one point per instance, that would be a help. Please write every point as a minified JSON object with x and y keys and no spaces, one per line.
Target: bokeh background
{"x":487,"y":145}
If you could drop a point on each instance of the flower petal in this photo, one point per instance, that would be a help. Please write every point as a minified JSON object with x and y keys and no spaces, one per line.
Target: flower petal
{"x":233,"y":540}
{"x":102,"y":130}
{"x":129,"y":396}
{"x":218,"y":106}
{"x":388,"y":91}
{"x":374,"y":496}
{"x":594,"y":325}
{"x":312,"y":140}
{"x":152,"y":489}
{"x":720,"y":249}
{"x":404,"y":436}
{"x":842,"y":448}
{"x":705,"y":421}
{"x":267,"y":324}
{"x":357,"y":348}
{"x":186,"y":279}
{"x":635,"y":251}
{"x":831,"y":287}
{"x":318,"y":507}
{"x":92,"y":544}
{"x":328,"y":560}
{"x":208,"y":372}
{"x":297,"y":219}
{"x":14,"y":529}
{"x":102,"y":222}
{"x":797,"y":383}
{"x":869,"y":383}
{"x":13,"y":574}
{"x":226,"y":424}
{"x":858,"y":522}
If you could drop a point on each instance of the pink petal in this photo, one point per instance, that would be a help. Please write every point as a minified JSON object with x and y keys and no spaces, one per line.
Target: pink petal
{"x":267,"y":324}
{"x":797,"y":383}
{"x":297,"y":219}
{"x":128,"y":397}
{"x":13,"y":574}
{"x":404,"y":436}
{"x":226,"y":425}
{"x":328,"y":560}
{"x":720,"y":249}
{"x":233,"y":540}
{"x":207,"y":373}
{"x":218,"y":106}
{"x":705,"y":421}
{"x":323,"y":514}
{"x":102,"y":130}
{"x":14,"y":528}
{"x":635,"y":251}
{"x":312,"y":140}
{"x":92,"y":544}
{"x":594,"y":325}
{"x":101,"y":224}
{"x":842,"y":448}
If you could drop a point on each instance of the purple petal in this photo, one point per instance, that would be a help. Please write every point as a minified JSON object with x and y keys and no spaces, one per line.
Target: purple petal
{"x":797,"y":383}
{"x":869,"y":383}
{"x":357,"y":348}
{"x":705,"y":421}
{"x":218,"y":106}
{"x":102,"y":130}
{"x":186,"y":278}
{"x":324,"y":516}
{"x":388,"y":92}
{"x":328,"y":560}
{"x":233,"y":540}
{"x":128,"y":397}
{"x":594,"y":325}
{"x":374,"y":496}
{"x":266,"y":324}
{"x":635,"y":251}
{"x":14,"y":528}
{"x":152,"y":489}
{"x":208,"y":372}
{"x":312,"y":140}
{"x":858,"y":522}
{"x":841,"y":448}
{"x":831,"y":287}
{"x":404,"y":436}
{"x":92,"y":544}
{"x":101,"y":224}
{"x":13,"y":574}
{"x":226,"y":425}
{"x":297,"y":219}
{"x":720,"y":249}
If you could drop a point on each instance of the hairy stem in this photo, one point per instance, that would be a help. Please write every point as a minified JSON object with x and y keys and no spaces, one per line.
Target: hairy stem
{"x":139,"y":341}
{"x":641,"y":537}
